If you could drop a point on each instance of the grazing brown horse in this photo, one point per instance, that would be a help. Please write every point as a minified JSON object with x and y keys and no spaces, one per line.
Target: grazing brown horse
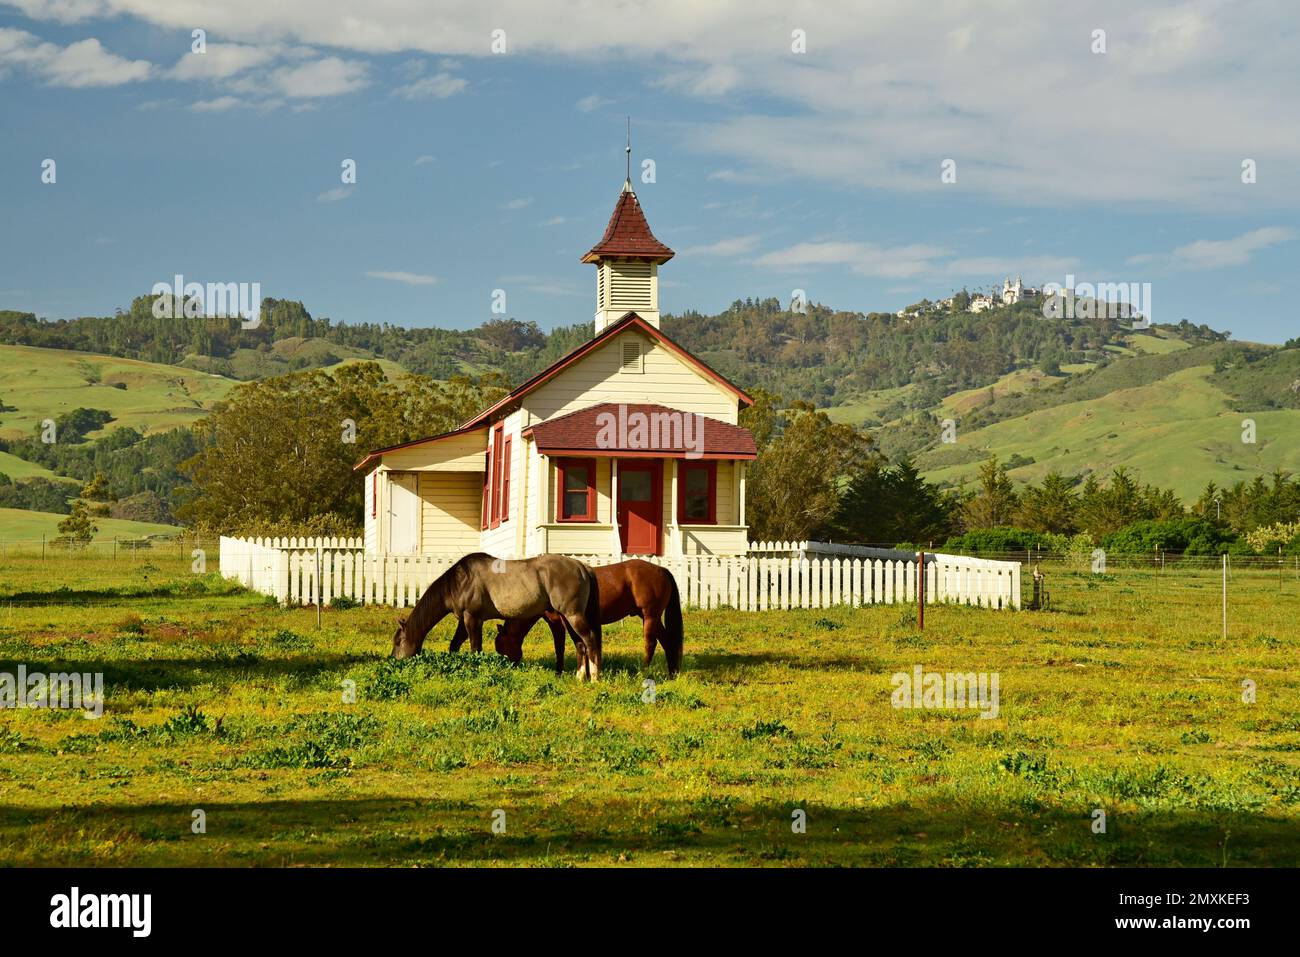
{"x":633,"y":587}
{"x":479,"y":588}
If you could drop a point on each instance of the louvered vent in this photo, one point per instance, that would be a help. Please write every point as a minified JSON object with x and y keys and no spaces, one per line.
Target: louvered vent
{"x":630,"y":285}
{"x":632,"y":361}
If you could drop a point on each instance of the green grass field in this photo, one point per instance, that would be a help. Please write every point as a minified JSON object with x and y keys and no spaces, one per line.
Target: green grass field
{"x":1123,"y":698}
{"x":46,"y":383}
{"x":20,"y":469}
{"x":20,"y":526}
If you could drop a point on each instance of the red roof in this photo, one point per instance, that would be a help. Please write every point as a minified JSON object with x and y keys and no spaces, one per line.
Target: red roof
{"x":628,"y":234}
{"x":641,"y":428}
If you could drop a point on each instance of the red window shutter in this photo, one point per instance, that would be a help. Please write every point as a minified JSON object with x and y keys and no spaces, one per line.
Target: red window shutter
{"x":507,"y":464}
{"x":495,"y":495}
{"x":487,"y":487}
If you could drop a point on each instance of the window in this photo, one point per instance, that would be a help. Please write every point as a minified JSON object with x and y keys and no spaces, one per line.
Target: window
{"x":494,"y":495}
{"x":576,"y":496}
{"x":697,"y":495}
{"x":506,"y":467}
{"x":374,"y":493}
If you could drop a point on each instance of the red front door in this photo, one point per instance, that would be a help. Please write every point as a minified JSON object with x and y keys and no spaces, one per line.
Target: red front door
{"x":640,"y":507}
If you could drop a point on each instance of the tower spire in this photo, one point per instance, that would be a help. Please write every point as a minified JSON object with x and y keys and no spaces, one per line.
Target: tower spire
{"x":627,"y":183}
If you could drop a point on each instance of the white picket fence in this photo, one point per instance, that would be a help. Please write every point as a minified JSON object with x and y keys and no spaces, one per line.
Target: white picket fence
{"x":287,"y":568}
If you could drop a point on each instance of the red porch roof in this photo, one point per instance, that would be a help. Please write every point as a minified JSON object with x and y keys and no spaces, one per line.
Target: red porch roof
{"x":641,"y":429}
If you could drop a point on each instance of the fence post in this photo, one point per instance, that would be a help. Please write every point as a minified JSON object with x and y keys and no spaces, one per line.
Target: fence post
{"x":920,"y":590}
{"x":317,"y":587}
{"x":1225,"y":595}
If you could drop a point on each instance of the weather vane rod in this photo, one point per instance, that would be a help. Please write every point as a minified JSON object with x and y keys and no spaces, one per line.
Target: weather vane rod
{"x":629,"y":149}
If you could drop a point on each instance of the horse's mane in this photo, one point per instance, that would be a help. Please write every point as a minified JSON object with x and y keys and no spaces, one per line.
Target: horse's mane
{"x":421,"y":619}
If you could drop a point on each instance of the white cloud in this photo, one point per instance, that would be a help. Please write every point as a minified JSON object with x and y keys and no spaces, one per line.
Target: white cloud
{"x":998,"y":267}
{"x":426,"y":158}
{"x":218,"y":105}
{"x":407,"y":278}
{"x":593,"y":101}
{"x":439,"y":86}
{"x":1216,"y":253}
{"x":908,"y":262}
{"x":330,"y":76}
{"x":518,"y":203}
{"x":222,"y":60}
{"x":555,"y":221}
{"x":864,"y":259}
{"x":736,"y":246}
{"x":1030,"y":115}
{"x":335,"y":194}
{"x":716,"y":79}
{"x":84,"y":63}
{"x":61,"y":11}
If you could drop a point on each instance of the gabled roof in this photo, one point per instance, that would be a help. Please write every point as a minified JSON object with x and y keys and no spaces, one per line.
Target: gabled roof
{"x":628,"y":234}
{"x":587,"y":432}
{"x":629,"y":321}
{"x":380,"y":453}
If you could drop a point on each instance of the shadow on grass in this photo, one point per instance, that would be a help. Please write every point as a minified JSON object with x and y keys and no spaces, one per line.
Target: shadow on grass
{"x":151,"y":674}
{"x":402,"y":831}
{"x":101,"y":596}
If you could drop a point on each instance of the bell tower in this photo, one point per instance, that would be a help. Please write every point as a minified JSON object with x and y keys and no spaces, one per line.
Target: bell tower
{"x":627,"y":261}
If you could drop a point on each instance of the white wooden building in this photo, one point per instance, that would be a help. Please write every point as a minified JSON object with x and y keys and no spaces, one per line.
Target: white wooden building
{"x":627,"y":445}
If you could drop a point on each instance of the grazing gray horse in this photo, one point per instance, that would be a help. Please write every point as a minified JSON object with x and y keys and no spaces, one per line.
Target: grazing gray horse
{"x":481,"y":588}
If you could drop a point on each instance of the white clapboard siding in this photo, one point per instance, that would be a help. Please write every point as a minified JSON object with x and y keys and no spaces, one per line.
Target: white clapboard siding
{"x":776,"y":575}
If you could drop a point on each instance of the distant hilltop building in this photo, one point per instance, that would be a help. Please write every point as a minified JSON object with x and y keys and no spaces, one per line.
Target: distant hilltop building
{"x":1018,"y":292}
{"x":1129,"y":301}
{"x":1011,"y":293}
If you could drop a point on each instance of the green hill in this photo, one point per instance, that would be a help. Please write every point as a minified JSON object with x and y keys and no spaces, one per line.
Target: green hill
{"x":25,"y":526}
{"x":1179,"y":432}
{"x":39,"y":384}
{"x":1075,"y":396}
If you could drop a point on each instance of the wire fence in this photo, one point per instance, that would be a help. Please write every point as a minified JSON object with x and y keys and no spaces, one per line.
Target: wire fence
{"x":118,"y":548}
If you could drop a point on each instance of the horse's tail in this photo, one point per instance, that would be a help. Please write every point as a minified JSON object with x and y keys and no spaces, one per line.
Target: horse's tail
{"x":592,"y":611}
{"x":676,"y":632}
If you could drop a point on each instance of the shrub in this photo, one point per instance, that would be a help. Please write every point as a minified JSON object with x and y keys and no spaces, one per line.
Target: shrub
{"x":1000,"y":538}
{"x":1192,"y":536}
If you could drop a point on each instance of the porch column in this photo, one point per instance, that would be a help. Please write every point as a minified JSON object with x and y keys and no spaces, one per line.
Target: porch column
{"x":674,"y":531}
{"x":744,"y":470}
{"x":544,"y":509}
{"x":616,"y":546}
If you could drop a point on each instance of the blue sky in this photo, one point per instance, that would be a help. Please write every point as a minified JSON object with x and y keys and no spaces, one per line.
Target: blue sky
{"x":774,"y":169}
